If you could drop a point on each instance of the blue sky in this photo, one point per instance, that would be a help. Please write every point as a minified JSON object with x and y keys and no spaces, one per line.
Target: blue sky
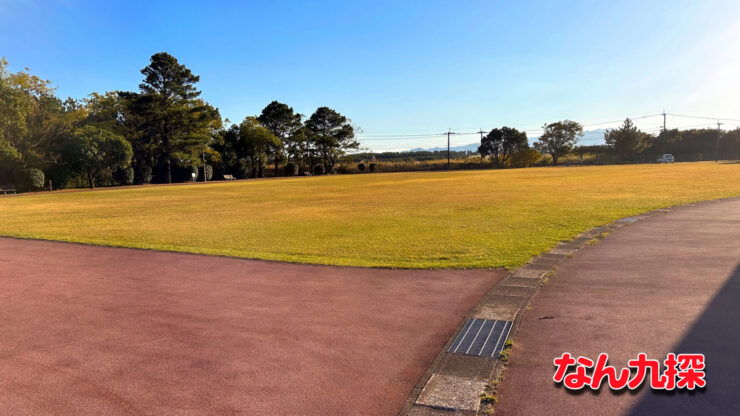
{"x":402,"y":68}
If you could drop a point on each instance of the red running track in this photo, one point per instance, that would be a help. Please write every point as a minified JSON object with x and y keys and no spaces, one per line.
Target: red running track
{"x":104,"y":331}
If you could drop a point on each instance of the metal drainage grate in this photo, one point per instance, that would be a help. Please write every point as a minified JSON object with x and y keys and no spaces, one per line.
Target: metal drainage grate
{"x":481,"y":337}
{"x":628,"y":219}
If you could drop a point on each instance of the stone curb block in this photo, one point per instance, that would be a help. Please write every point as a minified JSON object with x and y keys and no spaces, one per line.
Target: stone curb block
{"x":452,"y":392}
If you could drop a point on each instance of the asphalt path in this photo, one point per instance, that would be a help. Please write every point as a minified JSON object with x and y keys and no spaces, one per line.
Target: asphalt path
{"x":669,"y":283}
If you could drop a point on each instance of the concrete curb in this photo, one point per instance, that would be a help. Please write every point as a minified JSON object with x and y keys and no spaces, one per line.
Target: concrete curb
{"x":454,"y":383}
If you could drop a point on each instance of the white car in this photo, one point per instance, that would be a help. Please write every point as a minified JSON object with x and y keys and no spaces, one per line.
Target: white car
{"x":666,"y":158}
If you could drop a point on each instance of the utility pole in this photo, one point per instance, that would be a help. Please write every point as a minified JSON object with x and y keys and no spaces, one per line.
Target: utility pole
{"x":665,"y":138}
{"x":663,"y":120}
{"x":716,"y":143}
{"x":481,"y":141}
{"x":449,"y":131}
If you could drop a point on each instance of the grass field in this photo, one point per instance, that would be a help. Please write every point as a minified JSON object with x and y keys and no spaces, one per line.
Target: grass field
{"x":461,"y":219}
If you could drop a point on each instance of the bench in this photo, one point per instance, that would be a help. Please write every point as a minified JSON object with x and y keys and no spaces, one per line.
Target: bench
{"x":229,"y":177}
{"x":6,"y":189}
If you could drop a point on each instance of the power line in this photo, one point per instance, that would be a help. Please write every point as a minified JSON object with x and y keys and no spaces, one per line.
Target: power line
{"x":601,"y":122}
{"x":404,"y":138}
{"x":428,"y":135}
{"x":687,"y":126}
{"x":406,"y":135}
{"x":425,"y":136}
{"x":705,"y":118}
{"x":619,"y":121}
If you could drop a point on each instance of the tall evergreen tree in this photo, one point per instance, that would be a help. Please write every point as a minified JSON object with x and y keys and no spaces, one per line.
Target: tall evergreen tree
{"x":174,"y":119}
{"x":627,"y":141}
{"x":331,"y":135}
{"x":280,"y":120}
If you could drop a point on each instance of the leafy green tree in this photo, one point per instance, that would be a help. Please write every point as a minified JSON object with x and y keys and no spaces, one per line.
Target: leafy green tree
{"x":93,"y":150}
{"x":525,"y":157}
{"x":124,"y":176}
{"x":686,"y":145}
{"x":627,"y":141}
{"x":501,"y":144}
{"x":121,"y":113}
{"x":255,"y":144}
{"x":298,"y":145}
{"x":558,"y":138}
{"x":22,"y":97}
{"x":32,"y":121}
{"x":331,"y":135}
{"x":28,"y":179}
{"x":284,"y":123}
{"x":227,"y":144}
{"x":8,"y":153}
{"x":175,"y":122}
{"x":205,"y":124}
{"x":35,"y":178}
{"x":729,"y":144}
{"x":112,"y":111}
{"x":597,"y":150}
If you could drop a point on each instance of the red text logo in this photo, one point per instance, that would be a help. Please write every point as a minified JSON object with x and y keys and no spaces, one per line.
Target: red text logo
{"x":679,"y":371}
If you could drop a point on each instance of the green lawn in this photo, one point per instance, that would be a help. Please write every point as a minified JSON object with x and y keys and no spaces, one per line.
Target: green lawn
{"x":461,"y":219}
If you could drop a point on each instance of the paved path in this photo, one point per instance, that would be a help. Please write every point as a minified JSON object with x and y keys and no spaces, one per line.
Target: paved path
{"x":102,"y":331}
{"x":669,"y":283}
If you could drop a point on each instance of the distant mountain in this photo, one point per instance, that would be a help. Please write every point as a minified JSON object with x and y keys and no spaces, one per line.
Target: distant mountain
{"x":590,"y":137}
{"x":472,"y":147}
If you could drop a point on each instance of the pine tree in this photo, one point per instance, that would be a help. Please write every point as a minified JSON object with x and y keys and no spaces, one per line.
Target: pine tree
{"x":175,"y":120}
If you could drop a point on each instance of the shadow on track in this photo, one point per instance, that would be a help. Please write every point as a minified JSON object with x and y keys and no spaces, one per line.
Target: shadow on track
{"x":716,"y":334}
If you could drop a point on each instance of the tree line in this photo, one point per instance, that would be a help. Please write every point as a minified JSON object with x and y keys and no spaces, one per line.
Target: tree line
{"x":508,"y":146}
{"x":628,"y":144}
{"x":163,"y":133}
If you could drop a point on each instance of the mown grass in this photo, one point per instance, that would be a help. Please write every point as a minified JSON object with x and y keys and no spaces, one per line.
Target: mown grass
{"x":460,"y":219}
